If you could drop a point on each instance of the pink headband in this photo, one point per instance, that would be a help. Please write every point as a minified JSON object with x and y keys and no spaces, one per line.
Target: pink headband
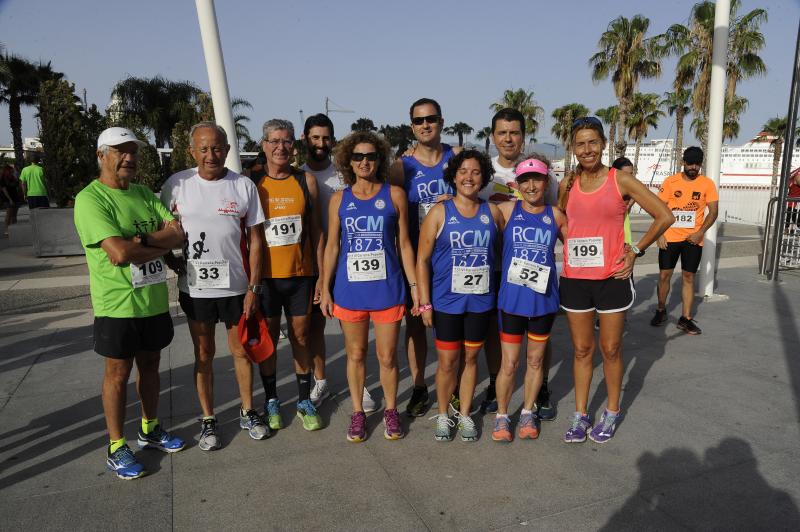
{"x":531,"y":166}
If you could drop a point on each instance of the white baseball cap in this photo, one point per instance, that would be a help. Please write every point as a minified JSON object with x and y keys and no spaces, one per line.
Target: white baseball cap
{"x":114,"y":136}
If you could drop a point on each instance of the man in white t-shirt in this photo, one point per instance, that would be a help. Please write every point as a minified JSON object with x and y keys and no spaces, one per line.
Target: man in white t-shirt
{"x":319,"y":138}
{"x":223,"y":264}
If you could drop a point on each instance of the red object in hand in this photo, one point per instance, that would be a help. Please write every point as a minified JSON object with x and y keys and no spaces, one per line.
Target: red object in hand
{"x":254,"y":335}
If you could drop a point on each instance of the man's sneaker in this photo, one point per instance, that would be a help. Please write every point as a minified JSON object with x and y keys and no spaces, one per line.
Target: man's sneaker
{"x":545,"y":410}
{"x":688,"y":326}
{"x":307,"y":413}
{"x":393,"y":429}
{"x":272,"y":411}
{"x":253,"y":423}
{"x":160,"y":439}
{"x":443,"y":426}
{"x":489,"y":403}
{"x":455,"y":405}
{"x":579,"y":425}
{"x":419,"y":402}
{"x":124,"y":464}
{"x":209,"y":441}
{"x":659,"y":317}
{"x":528,"y":426}
{"x":467,"y":428}
{"x":604,"y":431}
{"x":357,"y":431}
{"x":367,"y":402}
{"x":502,"y":429}
{"x":319,"y":392}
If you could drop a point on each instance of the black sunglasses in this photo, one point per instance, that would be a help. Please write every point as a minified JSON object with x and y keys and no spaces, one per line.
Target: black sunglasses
{"x":358,"y":157}
{"x":593,"y":120}
{"x":431,"y":119}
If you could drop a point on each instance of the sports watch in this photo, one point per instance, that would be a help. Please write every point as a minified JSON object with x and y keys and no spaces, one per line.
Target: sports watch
{"x":256,"y":288}
{"x":636,"y":251}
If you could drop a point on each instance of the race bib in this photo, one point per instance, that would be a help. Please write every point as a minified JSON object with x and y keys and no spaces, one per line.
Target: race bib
{"x":152,"y":272}
{"x":283,"y":230}
{"x":424,"y":209}
{"x":684,"y":219}
{"x":366,"y":266}
{"x":470,"y":280}
{"x":208,"y":274}
{"x":529,"y":274}
{"x":585,"y":252}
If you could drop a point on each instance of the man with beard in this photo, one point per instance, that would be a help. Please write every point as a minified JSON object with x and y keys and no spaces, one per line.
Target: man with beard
{"x":687,"y":194}
{"x":319,"y":139}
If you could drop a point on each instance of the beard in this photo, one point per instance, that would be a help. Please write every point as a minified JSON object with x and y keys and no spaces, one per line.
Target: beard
{"x":691,"y":173}
{"x":318,"y":154}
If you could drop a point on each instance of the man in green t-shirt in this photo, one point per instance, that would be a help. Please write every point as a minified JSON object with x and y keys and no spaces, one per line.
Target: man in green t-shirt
{"x":32,"y":178}
{"x":125,"y":231}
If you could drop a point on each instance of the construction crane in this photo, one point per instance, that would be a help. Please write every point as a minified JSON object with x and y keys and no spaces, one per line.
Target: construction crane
{"x":338,"y":109}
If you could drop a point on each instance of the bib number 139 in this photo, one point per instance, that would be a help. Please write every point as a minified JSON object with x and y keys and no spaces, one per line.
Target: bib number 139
{"x":366,"y":266}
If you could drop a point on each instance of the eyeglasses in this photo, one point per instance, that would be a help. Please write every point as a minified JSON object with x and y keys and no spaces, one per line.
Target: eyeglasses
{"x":358,"y":157}
{"x":431,"y":119}
{"x":593,"y":120}
{"x":277,"y":142}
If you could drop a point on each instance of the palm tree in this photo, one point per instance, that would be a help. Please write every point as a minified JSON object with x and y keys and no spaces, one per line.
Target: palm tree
{"x":730,"y":122}
{"x":459,"y":129}
{"x":363,"y":124}
{"x":677,"y":103}
{"x":610,"y":116}
{"x":774,"y":131}
{"x":158,"y":103}
{"x":401,"y":136}
{"x":485,"y":135}
{"x":524,"y":102}
{"x":627,"y":55}
{"x":19,"y":85}
{"x":644,"y":114}
{"x":563,"y":118}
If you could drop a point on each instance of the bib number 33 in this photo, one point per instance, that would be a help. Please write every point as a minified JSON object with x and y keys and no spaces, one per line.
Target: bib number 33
{"x":208,"y":274}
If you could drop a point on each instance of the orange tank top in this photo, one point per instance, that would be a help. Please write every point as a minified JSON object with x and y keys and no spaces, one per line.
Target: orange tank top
{"x":595,"y":230}
{"x":287,"y":230}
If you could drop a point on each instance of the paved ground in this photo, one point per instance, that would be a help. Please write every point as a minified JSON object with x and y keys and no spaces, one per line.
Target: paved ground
{"x":708,"y":441}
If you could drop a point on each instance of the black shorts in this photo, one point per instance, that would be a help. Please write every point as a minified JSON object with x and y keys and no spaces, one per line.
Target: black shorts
{"x":537,"y":326}
{"x":604,"y":295}
{"x":38,"y":202}
{"x":690,"y":255}
{"x":228,"y":310}
{"x":293,"y":295}
{"x":123,"y":337}
{"x":470,"y":327}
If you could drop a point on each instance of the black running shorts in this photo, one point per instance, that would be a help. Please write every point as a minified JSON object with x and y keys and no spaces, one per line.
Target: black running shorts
{"x":228,"y":310}
{"x":690,"y":255}
{"x":604,"y":295}
{"x":124,"y":337}
{"x":293,"y":295}
{"x":468,"y":327}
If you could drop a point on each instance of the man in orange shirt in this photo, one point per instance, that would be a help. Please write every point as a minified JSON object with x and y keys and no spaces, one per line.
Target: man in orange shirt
{"x":687,"y":194}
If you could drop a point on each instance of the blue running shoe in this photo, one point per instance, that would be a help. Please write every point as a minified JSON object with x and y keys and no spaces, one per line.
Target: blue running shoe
{"x":604,"y":431}
{"x":160,"y":439}
{"x":124,"y":464}
{"x":579,"y":425}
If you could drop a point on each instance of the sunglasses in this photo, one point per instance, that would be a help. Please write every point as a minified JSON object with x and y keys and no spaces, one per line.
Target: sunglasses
{"x":431,"y":119}
{"x":584,"y":120}
{"x":358,"y":157}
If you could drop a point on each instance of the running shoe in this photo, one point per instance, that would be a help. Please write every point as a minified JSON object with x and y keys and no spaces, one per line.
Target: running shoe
{"x":467,"y":428}
{"x":393,"y":429}
{"x":659,"y":317}
{"x":579,"y":425}
{"x":419,"y":402}
{"x":272,"y":411}
{"x":443,"y":426}
{"x":688,"y":326}
{"x":604,"y":431}
{"x":502,"y":429}
{"x":252,"y":422}
{"x":455,"y":405}
{"x":209,"y":441}
{"x":528,"y":426}
{"x":320,"y":392}
{"x":367,"y":402}
{"x":489,"y":403}
{"x":357,"y":431}
{"x":124,"y":464}
{"x":307,"y":413}
{"x":160,"y":439}
{"x":545,"y":410}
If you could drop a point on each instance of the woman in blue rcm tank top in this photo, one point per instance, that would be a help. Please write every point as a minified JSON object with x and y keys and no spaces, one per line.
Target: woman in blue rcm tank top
{"x":366,"y":227}
{"x":459,"y":241}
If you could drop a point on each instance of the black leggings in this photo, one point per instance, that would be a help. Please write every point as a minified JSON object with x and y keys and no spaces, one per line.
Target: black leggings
{"x":470,"y":327}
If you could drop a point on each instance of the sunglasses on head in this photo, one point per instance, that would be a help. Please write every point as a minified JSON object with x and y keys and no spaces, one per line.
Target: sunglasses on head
{"x":358,"y":157}
{"x":593,"y":120}
{"x":431,"y":119}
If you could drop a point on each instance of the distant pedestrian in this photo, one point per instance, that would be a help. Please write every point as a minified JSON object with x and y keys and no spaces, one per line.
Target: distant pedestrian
{"x":11,"y":193}
{"x":33,"y":187}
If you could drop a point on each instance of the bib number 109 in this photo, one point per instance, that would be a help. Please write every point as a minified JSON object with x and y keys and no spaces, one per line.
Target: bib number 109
{"x":148,"y":273}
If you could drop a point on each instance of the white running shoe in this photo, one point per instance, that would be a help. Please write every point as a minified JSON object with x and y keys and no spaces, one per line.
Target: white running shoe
{"x":320,"y":392}
{"x":368,"y":403}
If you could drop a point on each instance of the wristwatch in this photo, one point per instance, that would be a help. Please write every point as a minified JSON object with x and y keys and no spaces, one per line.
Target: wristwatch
{"x":143,"y":238}
{"x":256,"y":288}
{"x":638,"y":252}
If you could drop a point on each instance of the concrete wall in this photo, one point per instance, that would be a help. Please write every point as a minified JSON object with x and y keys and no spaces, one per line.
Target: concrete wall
{"x":54,"y":233}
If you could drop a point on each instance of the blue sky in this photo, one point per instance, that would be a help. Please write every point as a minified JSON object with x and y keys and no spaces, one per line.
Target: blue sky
{"x":374,"y":58}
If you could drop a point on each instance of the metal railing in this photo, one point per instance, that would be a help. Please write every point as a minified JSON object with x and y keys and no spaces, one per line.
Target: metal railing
{"x":789,"y":246}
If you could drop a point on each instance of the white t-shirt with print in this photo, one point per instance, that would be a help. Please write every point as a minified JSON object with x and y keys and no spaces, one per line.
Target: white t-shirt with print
{"x":213,"y":215}
{"x":329,"y":181}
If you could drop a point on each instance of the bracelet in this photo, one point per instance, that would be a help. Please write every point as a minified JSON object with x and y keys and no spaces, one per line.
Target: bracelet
{"x":412,"y":285}
{"x":423,"y":308}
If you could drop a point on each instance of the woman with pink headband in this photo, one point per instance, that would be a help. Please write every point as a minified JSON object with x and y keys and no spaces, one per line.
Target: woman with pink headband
{"x":528,"y":298}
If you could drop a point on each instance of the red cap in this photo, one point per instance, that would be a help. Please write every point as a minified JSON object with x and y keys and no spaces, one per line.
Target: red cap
{"x":254,"y":335}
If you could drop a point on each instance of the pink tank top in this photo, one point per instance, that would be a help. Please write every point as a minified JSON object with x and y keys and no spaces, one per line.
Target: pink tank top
{"x":596,"y":234}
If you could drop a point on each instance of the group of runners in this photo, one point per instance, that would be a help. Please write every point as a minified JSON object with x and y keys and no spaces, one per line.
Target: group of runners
{"x":441,"y":237}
